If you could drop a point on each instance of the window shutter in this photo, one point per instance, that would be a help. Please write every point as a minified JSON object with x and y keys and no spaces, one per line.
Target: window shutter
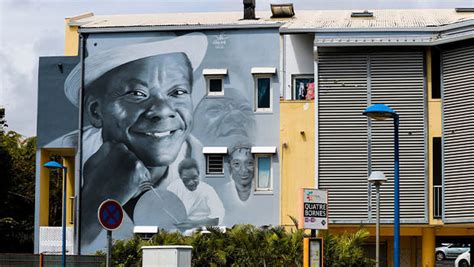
{"x":458,"y":133}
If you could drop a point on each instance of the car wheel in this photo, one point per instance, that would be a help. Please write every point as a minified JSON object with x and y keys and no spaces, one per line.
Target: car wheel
{"x":440,"y":256}
{"x":463,"y":263}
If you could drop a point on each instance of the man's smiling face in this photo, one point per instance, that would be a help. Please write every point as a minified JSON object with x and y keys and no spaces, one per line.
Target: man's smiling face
{"x":147,"y":106}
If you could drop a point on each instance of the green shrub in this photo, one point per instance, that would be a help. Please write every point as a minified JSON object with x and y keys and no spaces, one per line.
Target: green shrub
{"x":341,"y":250}
{"x":247,"y":245}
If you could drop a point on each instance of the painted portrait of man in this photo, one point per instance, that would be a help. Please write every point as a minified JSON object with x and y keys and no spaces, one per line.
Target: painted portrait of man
{"x":137,"y":99}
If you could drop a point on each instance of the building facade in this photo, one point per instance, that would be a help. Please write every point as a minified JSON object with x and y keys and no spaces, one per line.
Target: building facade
{"x":284,"y":96}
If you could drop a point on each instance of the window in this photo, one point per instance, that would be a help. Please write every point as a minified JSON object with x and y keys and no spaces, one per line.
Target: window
{"x":264,"y":173}
{"x":435,"y":74}
{"x":214,"y":81}
{"x":214,"y":164}
{"x":303,"y":87}
{"x":215,"y":86}
{"x":263,"y":94}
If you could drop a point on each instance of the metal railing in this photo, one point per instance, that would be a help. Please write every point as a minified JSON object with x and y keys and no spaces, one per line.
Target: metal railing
{"x":437,"y":201}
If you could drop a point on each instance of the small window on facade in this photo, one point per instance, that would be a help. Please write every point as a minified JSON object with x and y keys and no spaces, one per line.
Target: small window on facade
{"x":214,"y":164}
{"x":435,"y":74}
{"x":263,"y":179}
{"x":215,"y":86}
{"x":263,"y":94}
{"x":303,"y":87}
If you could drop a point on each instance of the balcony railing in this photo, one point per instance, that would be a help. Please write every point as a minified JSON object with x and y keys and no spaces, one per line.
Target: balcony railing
{"x":437,"y":201}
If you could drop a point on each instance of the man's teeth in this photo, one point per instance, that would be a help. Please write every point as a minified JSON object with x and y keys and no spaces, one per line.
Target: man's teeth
{"x":158,"y":134}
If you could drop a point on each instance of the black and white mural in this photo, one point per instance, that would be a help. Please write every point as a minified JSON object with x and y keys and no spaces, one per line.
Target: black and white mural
{"x":149,"y":117}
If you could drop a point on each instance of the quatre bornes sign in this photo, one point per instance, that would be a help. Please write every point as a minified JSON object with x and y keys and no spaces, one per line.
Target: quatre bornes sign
{"x":314,"y":209}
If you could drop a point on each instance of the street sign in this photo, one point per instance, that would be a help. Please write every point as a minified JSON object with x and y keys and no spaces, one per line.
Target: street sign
{"x":110,"y":214}
{"x":314,"y":209}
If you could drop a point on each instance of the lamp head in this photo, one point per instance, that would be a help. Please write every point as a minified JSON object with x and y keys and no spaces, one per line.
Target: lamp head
{"x":377,"y":177}
{"x":379,"y":112}
{"x":53,"y":165}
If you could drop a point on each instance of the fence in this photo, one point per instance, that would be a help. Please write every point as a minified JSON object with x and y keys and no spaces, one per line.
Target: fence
{"x":42,"y":260}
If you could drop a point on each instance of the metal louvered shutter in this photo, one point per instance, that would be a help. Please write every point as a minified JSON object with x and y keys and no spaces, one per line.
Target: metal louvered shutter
{"x":397,"y":80}
{"x":458,"y":134}
{"x":343,"y":133}
{"x":349,"y":81}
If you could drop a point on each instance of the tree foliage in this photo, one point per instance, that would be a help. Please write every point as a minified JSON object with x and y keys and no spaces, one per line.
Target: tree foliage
{"x":17,"y":192}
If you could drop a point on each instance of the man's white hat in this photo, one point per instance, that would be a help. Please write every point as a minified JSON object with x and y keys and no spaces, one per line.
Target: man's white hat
{"x":194,"y":45}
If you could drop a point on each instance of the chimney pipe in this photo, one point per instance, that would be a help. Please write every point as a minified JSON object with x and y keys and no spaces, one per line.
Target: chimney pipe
{"x":249,"y":9}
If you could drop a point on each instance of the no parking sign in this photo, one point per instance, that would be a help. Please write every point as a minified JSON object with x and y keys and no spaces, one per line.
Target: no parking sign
{"x":110,"y":214}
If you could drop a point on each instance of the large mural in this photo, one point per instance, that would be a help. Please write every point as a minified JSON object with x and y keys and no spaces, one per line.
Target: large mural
{"x":149,"y":116}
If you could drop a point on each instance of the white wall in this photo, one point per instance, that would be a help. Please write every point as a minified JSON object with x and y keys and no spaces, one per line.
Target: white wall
{"x":297,"y":58}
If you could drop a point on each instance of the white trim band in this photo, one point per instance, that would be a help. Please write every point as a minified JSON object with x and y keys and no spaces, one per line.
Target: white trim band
{"x":263,"y":150}
{"x":264,"y":70}
{"x":214,"y":72}
{"x":145,"y":229}
{"x":214,"y":150}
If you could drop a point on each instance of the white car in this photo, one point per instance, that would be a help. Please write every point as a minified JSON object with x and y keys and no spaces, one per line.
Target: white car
{"x":463,"y":260}
{"x":451,"y":250}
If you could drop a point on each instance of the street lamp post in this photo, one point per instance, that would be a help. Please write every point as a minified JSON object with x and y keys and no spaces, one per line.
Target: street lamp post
{"x":382,"y":112}
{"x":56,"y":165}
{"x":377,"y":178}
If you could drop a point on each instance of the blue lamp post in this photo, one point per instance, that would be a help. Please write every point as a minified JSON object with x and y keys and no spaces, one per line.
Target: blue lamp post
{"x":382,"y":112}
{"x":56,"y":165}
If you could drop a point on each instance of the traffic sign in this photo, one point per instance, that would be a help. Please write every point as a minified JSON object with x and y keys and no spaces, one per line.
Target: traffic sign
{"x":110,"y":214}
{"x":314,"y":209}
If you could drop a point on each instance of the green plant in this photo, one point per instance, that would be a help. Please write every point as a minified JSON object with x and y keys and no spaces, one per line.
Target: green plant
{"x":241,"y":245}
{"x":346,"y":249}
{"x":248,"y":245}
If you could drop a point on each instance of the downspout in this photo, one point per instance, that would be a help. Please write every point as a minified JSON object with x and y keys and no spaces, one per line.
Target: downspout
{"x":82,"y":42}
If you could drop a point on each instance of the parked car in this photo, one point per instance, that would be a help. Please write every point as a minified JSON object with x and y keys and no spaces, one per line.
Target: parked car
{"x":463,"y":260}
{"x":451,"y":250}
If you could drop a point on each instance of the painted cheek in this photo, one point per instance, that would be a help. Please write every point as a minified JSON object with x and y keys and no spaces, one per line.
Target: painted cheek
{"x":185,"y":112}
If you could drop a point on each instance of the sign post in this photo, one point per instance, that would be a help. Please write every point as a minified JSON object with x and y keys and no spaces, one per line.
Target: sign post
{"x":314,"y":216}
{"x":110,"y":216}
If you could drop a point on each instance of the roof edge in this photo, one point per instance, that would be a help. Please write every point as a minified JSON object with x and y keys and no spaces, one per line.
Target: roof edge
{"x":446,"y":27}
{"x":80,"y":16}
{"x":175,"y":28}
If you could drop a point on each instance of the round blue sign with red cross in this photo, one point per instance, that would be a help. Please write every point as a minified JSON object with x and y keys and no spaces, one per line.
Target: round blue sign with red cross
{"x":110,"y":214}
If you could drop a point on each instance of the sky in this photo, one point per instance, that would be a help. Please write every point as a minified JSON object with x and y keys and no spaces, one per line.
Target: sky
{"x":33,"y":28}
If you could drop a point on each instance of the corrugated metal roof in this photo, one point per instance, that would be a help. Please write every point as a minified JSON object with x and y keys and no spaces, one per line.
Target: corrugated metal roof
{"x":310,"y":20}
{"x":385,"y":19}
{"x":175,"y":19}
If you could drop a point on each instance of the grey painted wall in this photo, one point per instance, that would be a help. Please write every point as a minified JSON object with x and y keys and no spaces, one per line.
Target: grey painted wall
{"x":56,"y":115}
{"x":232,"y":116}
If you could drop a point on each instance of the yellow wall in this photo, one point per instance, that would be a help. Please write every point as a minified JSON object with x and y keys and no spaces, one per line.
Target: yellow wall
{"x":69,"y":164}
{"x":71,"y":40}
{"x":44,"y":190}
{"x":297,"y":154}
{"x":434,"y":130}
{"x":68,"y":161}
{"x":428,"y":248}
